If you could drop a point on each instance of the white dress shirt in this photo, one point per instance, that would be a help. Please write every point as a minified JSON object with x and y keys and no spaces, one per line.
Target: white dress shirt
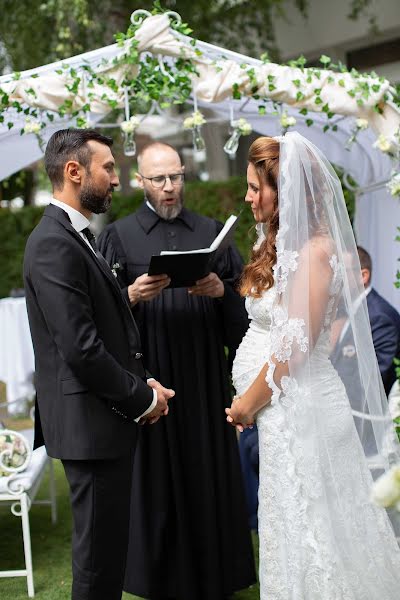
{"x":80,"y":222}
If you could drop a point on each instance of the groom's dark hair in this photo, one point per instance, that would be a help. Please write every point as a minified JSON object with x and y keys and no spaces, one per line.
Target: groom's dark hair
{"x":70,"y":144}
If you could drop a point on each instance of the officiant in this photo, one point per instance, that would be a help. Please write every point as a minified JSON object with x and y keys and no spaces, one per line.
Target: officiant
{"x":189,"y":536}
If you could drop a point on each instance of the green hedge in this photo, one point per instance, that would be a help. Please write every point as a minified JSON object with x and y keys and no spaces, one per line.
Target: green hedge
{"x":213,"y":199}
{"x":15,"y":227}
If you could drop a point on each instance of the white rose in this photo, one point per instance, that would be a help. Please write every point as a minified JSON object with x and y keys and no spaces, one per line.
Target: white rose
{"x":188,"y":123}
{"x":383,"y":144}
{"x":198,"y":118}
{"x":130,"y":126}
{"x":243,"y":125}
{"x":32,"y":127}
{"x":386,"y":490}
{"x":362,"y":123}
{"x":287,"y":121}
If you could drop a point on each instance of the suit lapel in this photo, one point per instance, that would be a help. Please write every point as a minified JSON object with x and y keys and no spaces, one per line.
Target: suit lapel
{"x":62,"y":217}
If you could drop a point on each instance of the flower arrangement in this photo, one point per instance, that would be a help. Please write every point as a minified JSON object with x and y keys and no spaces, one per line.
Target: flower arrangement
{"x":196,"y":120}
{"x":243,"y":126}
{"x":383,"y":144}
{"x":131,"y":125}
{"x":128,"y":129}
{"x":386,"y":489}
{"x":240,"y":127}
{"x":14,"y":453}
{"x":32,"y":126}
{"x":287,"y":121}
{"x":362,"y":124}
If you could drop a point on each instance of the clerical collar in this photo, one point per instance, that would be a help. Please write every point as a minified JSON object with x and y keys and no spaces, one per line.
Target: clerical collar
{"x":148,"y":217}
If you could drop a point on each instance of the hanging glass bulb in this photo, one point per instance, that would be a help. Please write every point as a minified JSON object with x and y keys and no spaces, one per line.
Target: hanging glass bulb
{"x":232,"y":143}
{"x":129,"y":143}
{"x":199,"y":145}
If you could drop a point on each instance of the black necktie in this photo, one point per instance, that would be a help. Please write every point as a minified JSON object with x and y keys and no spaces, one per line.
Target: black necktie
{"x":90,"y":238}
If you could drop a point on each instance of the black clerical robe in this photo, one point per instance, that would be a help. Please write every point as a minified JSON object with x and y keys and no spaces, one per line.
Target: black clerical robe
{"x":189,"y":532}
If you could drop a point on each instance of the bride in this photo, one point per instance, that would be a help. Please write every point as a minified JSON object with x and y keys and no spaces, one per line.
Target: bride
{"x":321,"y":538}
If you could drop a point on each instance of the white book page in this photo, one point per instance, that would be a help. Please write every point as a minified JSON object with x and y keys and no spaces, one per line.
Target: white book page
{"x":228,"y":224}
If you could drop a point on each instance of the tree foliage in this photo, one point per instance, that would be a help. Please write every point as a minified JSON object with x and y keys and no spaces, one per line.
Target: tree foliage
{"x":38,"y":31}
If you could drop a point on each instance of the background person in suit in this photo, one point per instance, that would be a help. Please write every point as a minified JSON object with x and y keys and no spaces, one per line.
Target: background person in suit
{"x":90,"y":379}
{"x":186,"y":466}
{"x":385,"y":327}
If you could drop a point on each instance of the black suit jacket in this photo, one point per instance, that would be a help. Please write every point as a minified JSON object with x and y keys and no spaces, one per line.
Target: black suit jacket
{"x":385,"y":327}
{"x":90,"y":379}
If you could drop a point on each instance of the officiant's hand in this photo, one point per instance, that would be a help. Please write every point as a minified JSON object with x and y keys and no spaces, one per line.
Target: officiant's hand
{"x":146,"y":287}
{"x":161,"y":409}
{"x":211,"y":286}
{"x":239,"y":415}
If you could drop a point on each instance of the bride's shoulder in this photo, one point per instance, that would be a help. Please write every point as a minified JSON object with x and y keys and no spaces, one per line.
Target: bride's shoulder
{"x":319,"y":247}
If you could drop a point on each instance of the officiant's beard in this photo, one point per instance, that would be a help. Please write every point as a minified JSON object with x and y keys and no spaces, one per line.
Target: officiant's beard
{"x":94,"y":201}
{"x":168,"y":213}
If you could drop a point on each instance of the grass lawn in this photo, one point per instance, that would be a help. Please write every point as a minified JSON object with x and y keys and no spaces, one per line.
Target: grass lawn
{"x":50,"y":549}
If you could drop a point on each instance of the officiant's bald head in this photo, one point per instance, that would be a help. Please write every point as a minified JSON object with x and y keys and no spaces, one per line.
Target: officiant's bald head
{"x":161,"y":176}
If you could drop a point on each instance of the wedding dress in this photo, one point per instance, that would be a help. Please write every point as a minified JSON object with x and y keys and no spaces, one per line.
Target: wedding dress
{"x":320,"y":536}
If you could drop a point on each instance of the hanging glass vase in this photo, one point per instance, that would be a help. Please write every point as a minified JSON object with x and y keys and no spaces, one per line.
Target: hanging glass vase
{"x":232,"y":143}
{"x":199,"y":145}
{"x":129,"y":143}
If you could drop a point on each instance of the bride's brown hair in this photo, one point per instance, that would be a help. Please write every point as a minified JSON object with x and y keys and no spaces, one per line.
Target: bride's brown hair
{"x":258,"y":275}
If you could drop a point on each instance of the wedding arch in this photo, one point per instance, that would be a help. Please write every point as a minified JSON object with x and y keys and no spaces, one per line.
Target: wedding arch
{"x":354,"y":118}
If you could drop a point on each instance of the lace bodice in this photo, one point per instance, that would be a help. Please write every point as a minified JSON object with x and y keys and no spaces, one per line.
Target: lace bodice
{"x":299,"y":559}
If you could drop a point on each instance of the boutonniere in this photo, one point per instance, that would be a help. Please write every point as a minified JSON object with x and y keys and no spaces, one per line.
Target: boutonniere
{"x":116,"y":266}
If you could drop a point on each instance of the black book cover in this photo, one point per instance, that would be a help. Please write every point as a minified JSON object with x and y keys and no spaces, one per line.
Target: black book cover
{"x":185,"y":268}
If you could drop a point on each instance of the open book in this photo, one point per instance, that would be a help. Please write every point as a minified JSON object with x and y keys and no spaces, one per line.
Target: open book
{"x":188,"y":266}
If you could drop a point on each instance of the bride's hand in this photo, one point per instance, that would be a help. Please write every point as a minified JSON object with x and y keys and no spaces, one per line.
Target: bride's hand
{"x":238,"y":414}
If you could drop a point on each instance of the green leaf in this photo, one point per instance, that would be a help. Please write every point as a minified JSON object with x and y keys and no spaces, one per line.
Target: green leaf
{"x":334,"y":127}
{"x":303,"y":111}
{"x":309,"y":122}
{"x":296,"y":82}
{"x":318,"y":100}
{"x":325,"y":60}
{"x":299,"y":96}
{"x":341,"y":83}
{"x":262,"y":110}
{"x":326,"y":127}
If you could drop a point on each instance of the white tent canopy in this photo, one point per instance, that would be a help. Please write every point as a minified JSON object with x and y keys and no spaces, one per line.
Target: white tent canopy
{"x":377,"y":212}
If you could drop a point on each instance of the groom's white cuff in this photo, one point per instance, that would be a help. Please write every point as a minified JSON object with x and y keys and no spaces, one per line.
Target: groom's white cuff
{"x":152,"y":405}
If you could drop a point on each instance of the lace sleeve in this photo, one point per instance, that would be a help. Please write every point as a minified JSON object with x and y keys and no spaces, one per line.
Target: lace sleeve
{"x":299,"y":316}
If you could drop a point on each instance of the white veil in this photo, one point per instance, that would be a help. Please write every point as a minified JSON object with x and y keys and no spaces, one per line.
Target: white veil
{"x":320,"y":302}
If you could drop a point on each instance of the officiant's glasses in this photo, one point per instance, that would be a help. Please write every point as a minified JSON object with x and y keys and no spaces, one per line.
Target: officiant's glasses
{"x":159,"y":181}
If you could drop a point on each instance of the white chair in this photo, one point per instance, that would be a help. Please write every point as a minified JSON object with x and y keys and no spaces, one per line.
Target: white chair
{"x":18,"y":491}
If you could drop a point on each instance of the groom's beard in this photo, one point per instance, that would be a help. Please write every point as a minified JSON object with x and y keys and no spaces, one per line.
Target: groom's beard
{"x":95,"y":200}
{"x":168,"y":213}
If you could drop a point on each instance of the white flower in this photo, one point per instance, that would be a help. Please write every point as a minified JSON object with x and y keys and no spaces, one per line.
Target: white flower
{"x":394,"y":405}
{"x":131,"y":125}
{"x":287,"y":121}
{"x":32,"y":126}
{"x":196,"y":120}
{"x":383,"y":144}
{"x":243,"y":125}
{"x":362,"y":124}
{"x":394,"y":185}
{"x":386,"y":490}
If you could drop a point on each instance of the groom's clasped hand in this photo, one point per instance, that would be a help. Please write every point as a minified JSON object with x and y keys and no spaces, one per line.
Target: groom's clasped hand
{"x":161,"y":408}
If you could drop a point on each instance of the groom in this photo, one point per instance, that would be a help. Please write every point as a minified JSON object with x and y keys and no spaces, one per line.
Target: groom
{"x":90,"y":378}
